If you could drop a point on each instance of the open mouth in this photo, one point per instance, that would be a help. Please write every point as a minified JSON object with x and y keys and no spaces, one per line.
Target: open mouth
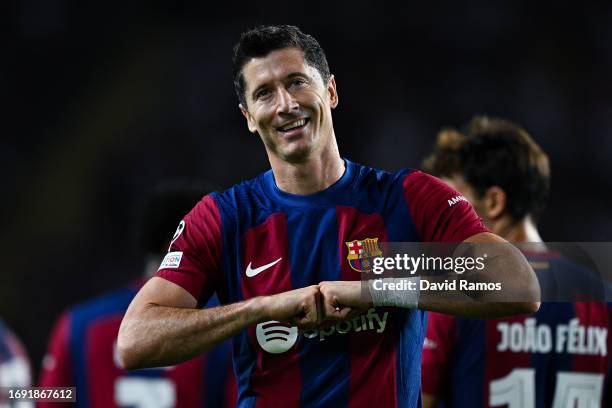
{"x":294,"y":127}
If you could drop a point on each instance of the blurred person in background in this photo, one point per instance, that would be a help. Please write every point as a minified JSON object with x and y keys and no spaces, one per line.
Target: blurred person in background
{"x":82,"y":347}
{"x":524,"y":361}
{"x":14,"y":366}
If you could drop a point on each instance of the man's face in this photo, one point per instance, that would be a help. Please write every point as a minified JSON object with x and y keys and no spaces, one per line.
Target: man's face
{"x":288,"y":104}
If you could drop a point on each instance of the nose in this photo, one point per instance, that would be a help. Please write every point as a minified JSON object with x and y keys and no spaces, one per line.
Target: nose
{"x":286,"y":102}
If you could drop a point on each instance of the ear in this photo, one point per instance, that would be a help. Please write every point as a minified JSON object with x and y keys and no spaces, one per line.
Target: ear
{"x":333,"y":92}
{"x":249,"y":119}
{"x":494,"y":202}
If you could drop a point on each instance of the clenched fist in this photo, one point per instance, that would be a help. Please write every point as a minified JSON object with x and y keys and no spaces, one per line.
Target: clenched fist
{"x":319,"y":305}
{"x":300,"y":307}
{"x":341,"y":300}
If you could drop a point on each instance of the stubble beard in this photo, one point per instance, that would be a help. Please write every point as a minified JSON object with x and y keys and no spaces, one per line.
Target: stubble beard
{"x":290,"y":154}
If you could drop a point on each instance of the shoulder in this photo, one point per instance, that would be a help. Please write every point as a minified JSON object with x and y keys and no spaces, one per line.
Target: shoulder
{"x":417,"y":182}
{"x":366,"y":175}
{"x":75,"y":321}
{"x":440,"y":213}
{"x":246,"y":190}
{"x":376,"y":182}
{"x":413,"y":181}
{"x":246,"y":194}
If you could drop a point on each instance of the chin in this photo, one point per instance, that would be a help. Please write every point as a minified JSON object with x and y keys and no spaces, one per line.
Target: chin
{"x":297,"y":156}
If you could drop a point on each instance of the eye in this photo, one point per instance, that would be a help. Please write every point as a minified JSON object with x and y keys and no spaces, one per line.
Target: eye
{"x":298,"y":82}
{"x":262,"y":93}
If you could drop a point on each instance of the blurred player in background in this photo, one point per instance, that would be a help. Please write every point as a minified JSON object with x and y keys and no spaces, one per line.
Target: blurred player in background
{"x":82,"y":348}
{"x":14,"y":366}
{"x":557,"y":357}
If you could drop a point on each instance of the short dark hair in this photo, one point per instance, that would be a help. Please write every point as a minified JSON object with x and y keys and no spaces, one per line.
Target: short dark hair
{"x":495,"y":152}
{"x":160,"y":211}
{"x":260,"y":41}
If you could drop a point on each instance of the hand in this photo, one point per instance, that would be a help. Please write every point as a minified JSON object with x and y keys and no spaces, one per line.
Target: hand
{"x":342,"y":300}
{"x":300,"y":307}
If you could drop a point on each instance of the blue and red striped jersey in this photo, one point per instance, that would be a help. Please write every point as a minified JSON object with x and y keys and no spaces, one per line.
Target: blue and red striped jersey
{"x":555,"y":357}
{"x":254,"y":240}
{"x":82,"y":354}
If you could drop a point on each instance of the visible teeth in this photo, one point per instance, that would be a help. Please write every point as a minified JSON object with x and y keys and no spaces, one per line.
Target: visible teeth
{"x":293,"y":125}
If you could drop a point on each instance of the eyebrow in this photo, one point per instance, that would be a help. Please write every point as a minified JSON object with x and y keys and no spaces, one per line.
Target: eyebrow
{"x":288,"y":76}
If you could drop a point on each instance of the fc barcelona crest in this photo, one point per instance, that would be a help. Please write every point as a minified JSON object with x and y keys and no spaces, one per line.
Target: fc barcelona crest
{"x":361,"y":252}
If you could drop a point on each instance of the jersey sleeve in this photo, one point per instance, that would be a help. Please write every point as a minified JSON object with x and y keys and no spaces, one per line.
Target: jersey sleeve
{"x":440,"y":213}
{"x":193,"y":259}
{"x":437,"y":352}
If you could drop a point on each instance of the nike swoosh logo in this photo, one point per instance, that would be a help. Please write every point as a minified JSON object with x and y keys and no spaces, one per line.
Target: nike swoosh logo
{"x":252,"y":272}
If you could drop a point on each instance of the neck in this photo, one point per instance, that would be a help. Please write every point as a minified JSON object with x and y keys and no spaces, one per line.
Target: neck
{"x":521,"y":231}
{"x":315,"y":174}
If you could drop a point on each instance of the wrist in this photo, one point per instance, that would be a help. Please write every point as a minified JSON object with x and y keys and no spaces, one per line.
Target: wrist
{"x":365,"y":294}
{"x":398,"y":292}
{"x":259,"y":309}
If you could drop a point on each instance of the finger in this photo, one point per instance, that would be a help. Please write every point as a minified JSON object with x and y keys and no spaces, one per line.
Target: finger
{"x":311,"y":315}
{"x":336,"y":312}
{"x":308,"y":319}
{"x":328,"y":308}
{"x":341,"y":312}
{"x":344,"y":313}
{"x":318,"y":308}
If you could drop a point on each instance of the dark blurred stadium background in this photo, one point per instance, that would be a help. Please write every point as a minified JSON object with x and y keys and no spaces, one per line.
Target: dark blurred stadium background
{"x":104,"y":99}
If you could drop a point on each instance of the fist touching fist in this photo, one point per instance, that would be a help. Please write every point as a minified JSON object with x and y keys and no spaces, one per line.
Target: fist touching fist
{"x":317,"y":305}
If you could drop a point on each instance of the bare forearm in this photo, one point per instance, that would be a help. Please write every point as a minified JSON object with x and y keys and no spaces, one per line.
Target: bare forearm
{"x":508,"y":287}
{"x":499,"y":283}
{"x":162,"y":325}
{"x":154,"y":335}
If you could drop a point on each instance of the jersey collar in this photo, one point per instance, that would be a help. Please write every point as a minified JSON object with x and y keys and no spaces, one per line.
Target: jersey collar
{"x":330,"y":196}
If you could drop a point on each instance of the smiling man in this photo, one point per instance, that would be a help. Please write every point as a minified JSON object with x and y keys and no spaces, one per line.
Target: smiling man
{"x":286,"y":253}
{"x":293,"y":124}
